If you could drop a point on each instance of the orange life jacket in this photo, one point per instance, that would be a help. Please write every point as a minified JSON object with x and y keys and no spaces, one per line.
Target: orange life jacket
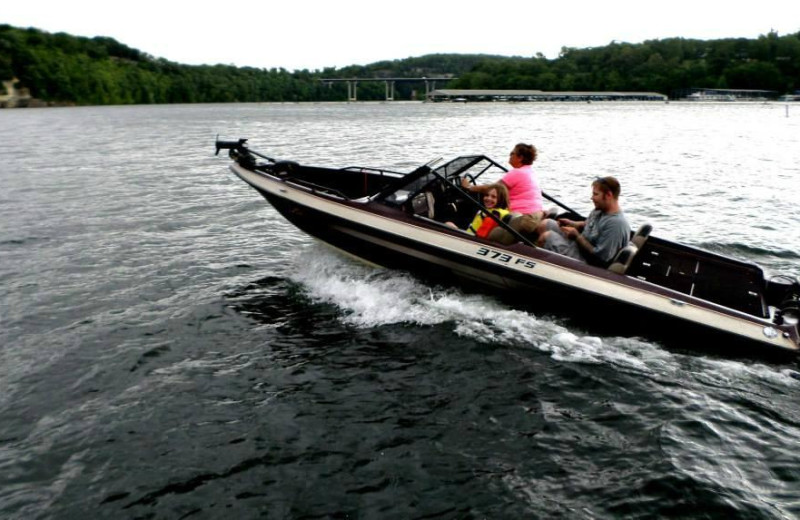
{"x":483,"y":224}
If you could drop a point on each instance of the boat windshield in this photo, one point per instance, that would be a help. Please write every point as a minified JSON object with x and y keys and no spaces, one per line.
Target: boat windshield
{"x":421,"y":179}
{"x":472,"y":165}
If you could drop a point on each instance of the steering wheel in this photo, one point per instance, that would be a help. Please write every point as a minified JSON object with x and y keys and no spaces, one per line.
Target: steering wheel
{"x":470,"y":178}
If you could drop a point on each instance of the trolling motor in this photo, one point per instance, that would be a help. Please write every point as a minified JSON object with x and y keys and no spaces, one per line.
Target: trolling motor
{"x":783,"y":293}
{"x":240,"y":145}
{"x":239,"y":152}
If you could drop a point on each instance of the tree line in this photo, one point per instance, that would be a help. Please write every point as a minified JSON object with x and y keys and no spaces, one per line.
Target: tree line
{"x":669,"y":66}
{"x":98,"y":71}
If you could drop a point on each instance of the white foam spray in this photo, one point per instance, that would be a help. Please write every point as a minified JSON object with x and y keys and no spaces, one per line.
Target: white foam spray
{"x":371,"y":296}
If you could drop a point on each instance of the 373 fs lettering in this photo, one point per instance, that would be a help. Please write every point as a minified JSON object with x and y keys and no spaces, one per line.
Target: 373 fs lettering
{"x":505,"y":258}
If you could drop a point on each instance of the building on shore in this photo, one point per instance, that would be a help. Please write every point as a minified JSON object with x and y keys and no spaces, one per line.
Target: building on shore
{"x":14,"y":97}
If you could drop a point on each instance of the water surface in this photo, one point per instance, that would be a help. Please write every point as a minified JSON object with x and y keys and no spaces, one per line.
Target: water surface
{"x":170,"y":347}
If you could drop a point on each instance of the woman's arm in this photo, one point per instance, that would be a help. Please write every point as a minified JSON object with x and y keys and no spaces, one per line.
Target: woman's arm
{"x":474,"y":188}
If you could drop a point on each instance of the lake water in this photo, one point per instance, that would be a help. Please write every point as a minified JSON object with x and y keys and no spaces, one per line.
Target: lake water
{"x":170,"y":347}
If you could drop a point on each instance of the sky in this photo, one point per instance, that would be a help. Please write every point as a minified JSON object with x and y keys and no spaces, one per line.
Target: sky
{"x":311,"y":34}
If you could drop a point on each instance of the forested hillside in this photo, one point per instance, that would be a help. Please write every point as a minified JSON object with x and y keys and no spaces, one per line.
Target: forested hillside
{"x":93,"y":71}
{"x":769,"y":62}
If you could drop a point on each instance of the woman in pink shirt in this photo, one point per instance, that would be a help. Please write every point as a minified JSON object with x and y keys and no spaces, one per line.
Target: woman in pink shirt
{"x":525,"y":195}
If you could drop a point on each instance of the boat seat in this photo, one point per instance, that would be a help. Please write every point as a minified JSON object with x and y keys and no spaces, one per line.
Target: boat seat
{"x":641,"y":236}
{"x":423,"y":204}
{"x":623,"y":259}
{"x":625,"y":255}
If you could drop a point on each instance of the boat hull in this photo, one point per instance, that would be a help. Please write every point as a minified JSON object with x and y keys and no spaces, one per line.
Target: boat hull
{"x":545,"y":281}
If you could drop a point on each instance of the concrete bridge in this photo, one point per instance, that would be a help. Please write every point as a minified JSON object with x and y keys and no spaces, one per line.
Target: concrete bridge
{"x":352,"y":84}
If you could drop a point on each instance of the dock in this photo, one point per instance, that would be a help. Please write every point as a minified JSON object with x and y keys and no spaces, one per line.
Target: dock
{"x":541,"y":95}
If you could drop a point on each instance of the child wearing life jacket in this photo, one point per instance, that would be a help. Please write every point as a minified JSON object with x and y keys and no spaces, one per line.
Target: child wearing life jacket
{"x":496,"y":201}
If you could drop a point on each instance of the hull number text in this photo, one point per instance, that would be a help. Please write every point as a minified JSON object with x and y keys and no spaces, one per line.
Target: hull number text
{"x":499,"y":256}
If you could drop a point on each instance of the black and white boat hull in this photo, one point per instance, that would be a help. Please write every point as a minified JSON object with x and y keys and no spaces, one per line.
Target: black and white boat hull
{"x":385,"y":235}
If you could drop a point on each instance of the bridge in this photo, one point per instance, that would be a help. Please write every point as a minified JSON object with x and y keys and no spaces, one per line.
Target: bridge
{"x":352,"y":84}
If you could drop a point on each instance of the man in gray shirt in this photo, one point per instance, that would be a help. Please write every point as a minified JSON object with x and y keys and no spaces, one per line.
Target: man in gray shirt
{"x":597,"y":239}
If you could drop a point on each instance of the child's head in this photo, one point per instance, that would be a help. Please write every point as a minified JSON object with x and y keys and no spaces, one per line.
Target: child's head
{"x":496,"y":196}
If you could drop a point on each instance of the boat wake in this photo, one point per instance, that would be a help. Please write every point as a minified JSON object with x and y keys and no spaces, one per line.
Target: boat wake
{"x":371,"y":296}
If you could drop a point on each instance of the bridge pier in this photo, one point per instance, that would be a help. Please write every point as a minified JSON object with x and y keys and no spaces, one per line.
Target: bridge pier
{"x":389,"y":85}
{"x":351,"y":90}
{"x":430,"y":85}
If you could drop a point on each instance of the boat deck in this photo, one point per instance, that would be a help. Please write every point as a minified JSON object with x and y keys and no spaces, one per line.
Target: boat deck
{"x":714,"y":278}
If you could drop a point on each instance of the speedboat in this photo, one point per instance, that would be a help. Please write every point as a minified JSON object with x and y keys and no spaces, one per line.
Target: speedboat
{"x":653,"y":287}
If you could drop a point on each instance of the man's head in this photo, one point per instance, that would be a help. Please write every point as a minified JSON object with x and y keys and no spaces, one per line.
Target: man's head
{"x":605,"y":193}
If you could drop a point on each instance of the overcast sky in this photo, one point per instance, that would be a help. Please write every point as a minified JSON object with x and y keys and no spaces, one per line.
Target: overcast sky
{"x":310,"y":34}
